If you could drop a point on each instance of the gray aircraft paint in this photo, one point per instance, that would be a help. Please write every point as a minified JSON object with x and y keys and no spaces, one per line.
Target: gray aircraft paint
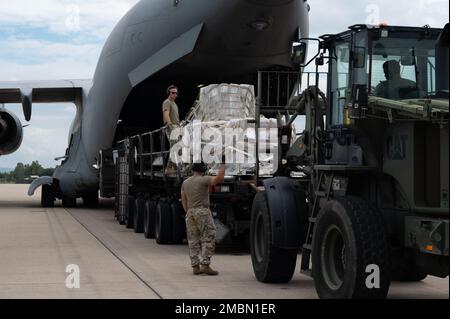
{"x":210,"y":37}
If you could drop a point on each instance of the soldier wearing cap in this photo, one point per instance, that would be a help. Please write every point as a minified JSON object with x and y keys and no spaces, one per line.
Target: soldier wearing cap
{"x":171,"y":118}
{"x":201,"y":230}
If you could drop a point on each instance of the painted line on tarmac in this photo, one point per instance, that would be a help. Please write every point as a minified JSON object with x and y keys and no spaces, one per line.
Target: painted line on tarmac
{"x":115,"y":255}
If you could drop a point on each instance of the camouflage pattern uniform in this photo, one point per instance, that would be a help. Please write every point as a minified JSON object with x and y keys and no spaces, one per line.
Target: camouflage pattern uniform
{"x":200,"y":227}
{"x":201,"y":233}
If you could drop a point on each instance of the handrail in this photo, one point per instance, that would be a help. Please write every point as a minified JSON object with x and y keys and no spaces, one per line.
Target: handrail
{"x":152,"y":146}
{"x":282,"y":87}
{"x":278,"y":89}
{"x":142,"y":154}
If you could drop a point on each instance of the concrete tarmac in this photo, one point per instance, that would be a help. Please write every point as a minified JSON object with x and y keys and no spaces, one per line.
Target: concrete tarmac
{"x":37,"y":245}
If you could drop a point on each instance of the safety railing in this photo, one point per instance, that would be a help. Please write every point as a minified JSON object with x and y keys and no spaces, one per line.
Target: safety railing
{"x":144,"y":149}
{"x":277,"y":90}
{"x":276,"y":93}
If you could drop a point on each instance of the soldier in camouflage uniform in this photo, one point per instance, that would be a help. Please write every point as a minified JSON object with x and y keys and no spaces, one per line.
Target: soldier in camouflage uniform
{"x":201,"y":231}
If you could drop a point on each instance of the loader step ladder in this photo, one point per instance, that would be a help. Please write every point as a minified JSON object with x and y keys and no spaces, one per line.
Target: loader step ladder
{"x":323,"y":191}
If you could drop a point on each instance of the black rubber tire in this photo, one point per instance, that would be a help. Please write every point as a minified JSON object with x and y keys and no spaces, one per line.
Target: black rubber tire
{"x":121,"y":219}
{"x":404,"y":268}
{"x":350,"y":231}
{"x":270,"y":264}
{"x":138,"y":218}
{"x":47,"y":196}
{"x":91,"y":200}
{"x":178,"y":223}
{"x":163,"y":223}
{"x":129,"y":222}
{"x":116,"y":206}
{"x":69,"y":202}
{"x":408,"y":275}
{"x":149,"y":219}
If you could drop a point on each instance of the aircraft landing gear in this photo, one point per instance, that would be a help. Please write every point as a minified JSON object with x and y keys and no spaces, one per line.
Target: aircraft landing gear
{"x":48,"y":196}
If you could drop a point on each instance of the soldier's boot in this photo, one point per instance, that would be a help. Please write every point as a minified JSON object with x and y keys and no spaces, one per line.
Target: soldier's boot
{"x":206,"y":270}
{"x":196,"y":270}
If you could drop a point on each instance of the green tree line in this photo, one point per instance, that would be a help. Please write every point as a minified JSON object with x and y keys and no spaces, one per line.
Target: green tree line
{"x":25,"y":173}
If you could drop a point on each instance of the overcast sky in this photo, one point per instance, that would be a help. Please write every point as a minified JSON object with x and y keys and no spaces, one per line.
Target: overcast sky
{"x":62,"y":39}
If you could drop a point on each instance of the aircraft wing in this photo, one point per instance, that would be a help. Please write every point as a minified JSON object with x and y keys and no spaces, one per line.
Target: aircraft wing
{"x":27,"y":93}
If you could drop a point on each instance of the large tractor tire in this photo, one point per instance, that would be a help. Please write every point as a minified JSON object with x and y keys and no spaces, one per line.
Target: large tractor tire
{"x":270,"y":264}
{"x":47,"y":196}
{"x":178,"y":223}
{"x":404,"y":269}
{"x":408,"y":275}
{"x":350,"y":238}
{"x":163,"y":223}
{"x":131,"y":206}
{"x":138,"y":217}
{"x":149,"y":219}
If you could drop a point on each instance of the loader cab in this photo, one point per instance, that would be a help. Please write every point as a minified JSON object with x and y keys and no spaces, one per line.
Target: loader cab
{"x":396,"y":63}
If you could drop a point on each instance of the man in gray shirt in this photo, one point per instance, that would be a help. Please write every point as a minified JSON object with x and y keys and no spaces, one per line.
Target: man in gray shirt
{"x":200,"y":227}
{"x":171,"y":120}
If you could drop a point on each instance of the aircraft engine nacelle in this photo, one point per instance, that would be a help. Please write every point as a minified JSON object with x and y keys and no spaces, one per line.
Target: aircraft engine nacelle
{"x":11,"y":132}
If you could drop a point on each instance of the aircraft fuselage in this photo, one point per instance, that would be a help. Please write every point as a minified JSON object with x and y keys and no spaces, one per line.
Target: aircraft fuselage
{"x":187,"y":42}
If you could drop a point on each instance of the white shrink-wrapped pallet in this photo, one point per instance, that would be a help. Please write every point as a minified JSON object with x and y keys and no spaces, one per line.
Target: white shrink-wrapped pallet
{"x":225,"y":108}
{"x":240,"y":154}
{"x":223,"y":102}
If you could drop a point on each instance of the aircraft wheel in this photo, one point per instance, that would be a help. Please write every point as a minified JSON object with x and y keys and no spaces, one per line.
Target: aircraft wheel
{"x":47,"y":196}
{"x":69,"y":202}
{"x":90,"y":200}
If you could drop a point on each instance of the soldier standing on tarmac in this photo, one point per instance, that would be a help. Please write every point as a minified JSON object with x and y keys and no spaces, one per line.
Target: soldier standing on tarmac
{"x":201,"y":231}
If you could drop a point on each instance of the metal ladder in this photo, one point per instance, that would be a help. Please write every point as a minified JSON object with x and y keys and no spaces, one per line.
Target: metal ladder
{"x":322,"y":191}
